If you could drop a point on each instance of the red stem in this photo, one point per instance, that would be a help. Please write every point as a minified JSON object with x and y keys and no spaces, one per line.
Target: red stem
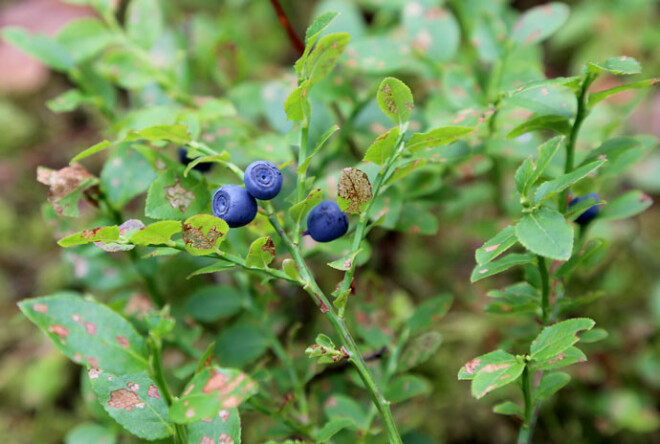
{"x":297,"y":44}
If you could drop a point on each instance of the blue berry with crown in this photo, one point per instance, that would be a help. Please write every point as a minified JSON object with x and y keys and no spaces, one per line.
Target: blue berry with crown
{"x":326,"y":222}
{"x":263,"y":180}
{"x":234,"y":205}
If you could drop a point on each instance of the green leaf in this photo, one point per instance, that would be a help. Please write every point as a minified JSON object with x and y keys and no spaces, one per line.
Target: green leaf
{"x":211,"y":303}
{"x":517,"y":298}
{"x":100,"y":234}
{"x":262,"y":253}
{"x":539,"y":23}
{"x":68,"y":101}
{"x":90,"y":432}
{"x":296,"y":106}
{"x":240,"y":344}
{"x":209,"y":392}
{"x":548,"y":98}
{"x":323,"y":58}
{"x":346,"y":262}
{"x":87,"y":332}
{"x":419,"y":350}
{"x":404,"y":387}
{"x":383,"y":147}
{"x":134,"y":401}
{"x":627,"y":205}
{"x":342,"y":406}
{"x":550,"y":384}
{"x":226,"y":426}
{"x":614,"y":149}
{"x":177,"y":134}
{"x":496,"y":375}
{"x":497,"y":245}
{"x":126,"y":174}
{"x":552,"y":187}
{"x":559,"y":124}
{"x":619,"y":66}
{"x":500,"y":265}
{"x":299,"y":210}
{"x":203,"y":234}
{"x":596,"y":97}
{"x":395,"y":100}
{"x":42,"y":48}
{"x":545,"y":232}
{"x":85,"y":38}
{"x":353,"y":190}
{"x":437,"y":137}
{"x":218,"y":266}
{"x":570,"y":356}
{"x":318,"y":25}
{"x":158,"y":233}
{"x":432,"y":31}
{"x":429,"y":313}
{"x":527,"y":177}
{"x":144,"y":22}
{"x":332,"y":427}
{"x":302,"y":169}
{"x":91,"y":150}
{"x":472,"y":368}
{"x":594,"y":335}
{"x":508,"y":408}
{"x":591,"y":249}
{"x":172,"y":196}
{"x":556,"y":338}
{"x":125,"y":68}
{"x":291,"y":269}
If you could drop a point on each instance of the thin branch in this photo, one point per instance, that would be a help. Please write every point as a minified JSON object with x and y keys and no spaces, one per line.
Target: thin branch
{"x":297,"y":44}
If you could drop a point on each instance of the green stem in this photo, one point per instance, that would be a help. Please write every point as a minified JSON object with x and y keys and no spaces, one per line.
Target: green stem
{"x":582,"y":113}
{"x":338,"y":324}
{"x":300,"y":185}
{"x":525,"y":434}
{"x":361,"y":229}
{"x":545,"y":289}
{"x":158,"y":375}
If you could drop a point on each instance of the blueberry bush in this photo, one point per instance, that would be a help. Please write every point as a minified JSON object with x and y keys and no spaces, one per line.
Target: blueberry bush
{"x":229,"y":236}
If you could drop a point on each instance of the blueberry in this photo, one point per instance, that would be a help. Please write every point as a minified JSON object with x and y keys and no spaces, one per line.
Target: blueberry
{"x":263,"y":180}
{"x":326,"y":222}
{"x":591,"y":213}
{"x":234,"y":205}
{"x":184,"y":159}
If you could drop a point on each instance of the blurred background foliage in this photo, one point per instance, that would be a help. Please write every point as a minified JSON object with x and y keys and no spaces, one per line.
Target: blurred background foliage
{"x":237,"y":49}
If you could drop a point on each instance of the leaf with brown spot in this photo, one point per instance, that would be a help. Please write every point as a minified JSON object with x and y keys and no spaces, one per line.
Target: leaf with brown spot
{"x":395,"y":100}
{"x":262,"y":253}
{"x":211,"y":390}
{"x":134,"y":402}
{"x":99,"y":234}
{"x":173,"y":196}
{"x":81,"y":327}
{"x":203,"y":234}
{"x":354,"y":190}
{"x":66,"y":187}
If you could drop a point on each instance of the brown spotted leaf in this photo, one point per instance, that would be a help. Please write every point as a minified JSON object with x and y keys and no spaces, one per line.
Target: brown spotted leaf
{"x":226,"y":426}
{"x":203,"y":233}
{"x":210,"y":391}
{"x":134,"y":401}
{"x":173,"y":196}
{"x":491,"y":371}
{"x":557,"y":338}
{"x":87,"y":332}
{"x":395,"y":100}
{"x":66,"y":187}
{"x":354,"y":190}
{"x":262,"y":253}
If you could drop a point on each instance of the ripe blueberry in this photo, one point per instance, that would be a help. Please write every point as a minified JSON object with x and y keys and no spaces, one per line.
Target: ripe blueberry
{"x":591,"y":213}
{"x":326,"y":222}
{"x":184,"y":159}
{"x":234,"y":205}
{"x":263,"y":180}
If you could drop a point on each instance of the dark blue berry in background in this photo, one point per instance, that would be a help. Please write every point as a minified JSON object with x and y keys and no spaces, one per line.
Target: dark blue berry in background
{"x":201,"y":167}
{"x":326,"y":222}
{"x":234,"y":205}
{"x":591,"y":213}
{"x":263,"y":180}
